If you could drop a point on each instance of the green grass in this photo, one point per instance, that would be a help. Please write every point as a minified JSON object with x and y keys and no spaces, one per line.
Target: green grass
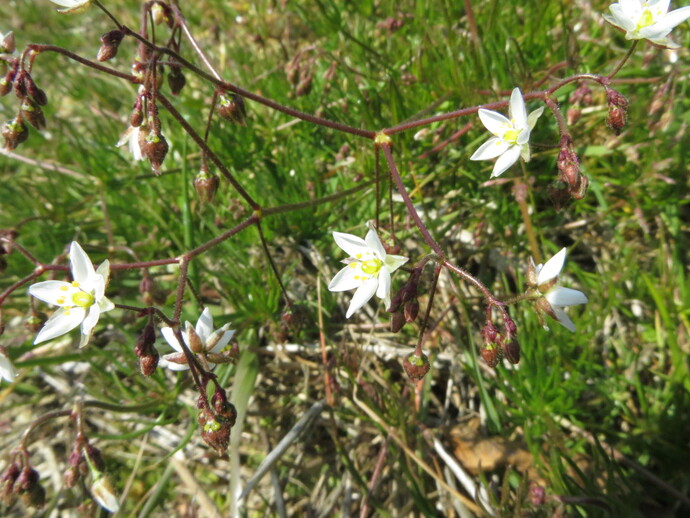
{"x":621,"y":382}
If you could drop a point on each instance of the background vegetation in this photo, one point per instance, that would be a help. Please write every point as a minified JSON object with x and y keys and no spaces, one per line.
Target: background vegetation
{"x":589,"y":417}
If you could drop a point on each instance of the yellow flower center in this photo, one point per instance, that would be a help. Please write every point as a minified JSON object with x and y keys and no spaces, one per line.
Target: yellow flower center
{"x":82,"y":299}
{"x":511,"y":136}
{"x":372,"y":266}
{"x":646,"y":19}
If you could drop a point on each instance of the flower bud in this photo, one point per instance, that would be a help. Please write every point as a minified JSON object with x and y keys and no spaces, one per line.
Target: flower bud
{"x":304,"y":86}
{"x":215,"y":430}
{"x":14,"y":132}
{"x":71,"y":477}
{"x":7,"y":81}
{"x":110,"y":44}
{"x":154,"y":147}
{"x":32,"y":113}
{"x":161,"y":13}
{"x":618,"y":110}
{"x":21,"y":84}
{"x":103,"y":492}
{"x":231,"y":107}
{"x":7,"y":43}
{"x":582,"y":95}
{"x":146,"y":352}
{"x":573,"y":115}
{"x":38,"y":95}
{"x":7,"y":481}
{"x":93,"y":457}
{"x":491,"y":354}
{"x":416,"y":367}
{"x":206,"y":185}
{"x":511,"y":350}
{"x":176,"y":80}
{"x":397,"y":321}
{"x":411,"y":310}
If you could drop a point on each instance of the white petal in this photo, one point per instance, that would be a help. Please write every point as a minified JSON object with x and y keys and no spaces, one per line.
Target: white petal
{"x":618,"y":18}
{"x":62,"y":321}
{"x":506,"y":160}
{"x":374,"y":243}
{"x":518,"y":111}
{"x":104,"y":304}
{"x":170,"y":337}
{"x":362,"y":295}
{"x":631,"y":8}
{"x":523,"y":137}
{"x":345,"y":280}
{"x":552,"y":267}
{"x":352,"y":245}
{"x":384,"y":288}
{"x":224,"y":340}
{"x":88,"y":324}
{"x":204,"y":326}
{"x":534,"y":116}
{"x":564,"y":319}
{"x":393,"y":262}
{"x":171,"y":365}
{"x":7,"y":370}
{"x":102,"y":276}
{"x":491,"y":149}
{"x":525,"y":153}
{"x":671,"y":20}
{"x":495,"y":122}
{"x":559,"y":296}
{"x":82,"y":268}
{"x":58,"y":293}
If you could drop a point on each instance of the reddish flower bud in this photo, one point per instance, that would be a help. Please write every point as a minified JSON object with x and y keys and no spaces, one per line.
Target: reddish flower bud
{"x":71,"y":477}
{"x":537,"y":495}
{"x":411,"y":310}
{"x":491,"y":355}
{"x":616,"y":119}
{"x":511,"y":350}
{"x":232,"y":108}
{"x":304,"y":86}
{"x":573,"y":115}
{"x":416,"y":367}
{"x":110,"y":44}
{"x":7,"y":81}
{"x":206,"y":185}
{"x":21,"y":84}
{"x":397,"y":321}
{"x":176,"y":80}
{"x":144,"y":349}
{"x":7,"y":481}
{"x":32,"y":113}
{"x":14,"y":132}
{"x":154,"y":147}
{"x":7,"y":43}
{"x":215,"y":429}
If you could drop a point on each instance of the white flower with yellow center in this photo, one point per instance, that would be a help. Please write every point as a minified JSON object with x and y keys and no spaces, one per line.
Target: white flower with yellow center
{"x":72,"y":6}
{"x":201,"y":339}
{"x":647,"y":20}
{"x":553,"y":298}
{"x":81,"y":301}
{"x":368,"y":269}
{"x":511,"y":136}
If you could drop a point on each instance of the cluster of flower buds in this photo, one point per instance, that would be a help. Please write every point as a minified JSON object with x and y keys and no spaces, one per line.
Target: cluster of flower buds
{"x":618,"y":110}
{"x":231,"y":107}
{"x":404,"y":304}
{"x":82,"y":459}
{"x":216,"y":420}
{"x":416,"y":366}
{"x":145,"y":351}
{"x":581,"y":97}
{"x":206,"y":184}
{"x":31,"y":99}
{"x":571,"y":183}
{"x":23,"y":483}
{"x":497,"y":345}
{"x":110,"y":43}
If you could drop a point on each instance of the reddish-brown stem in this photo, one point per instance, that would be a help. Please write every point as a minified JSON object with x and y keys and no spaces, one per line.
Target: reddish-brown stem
{"x":76,"y":57}
{"x":422,"y":330}
{"x":466,"y":276}
{"x":624,"y":60}
{"x":395,"y":175}
{"x":472,"y":23}
{"x":149,"y":309}
{"x":377,"y":172}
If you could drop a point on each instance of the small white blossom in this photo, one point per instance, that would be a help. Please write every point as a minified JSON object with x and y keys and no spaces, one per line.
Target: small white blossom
{"x":511,"y":136}
{"x":103,"y":492}
{"x":7,"y":370}
{"x":81,"y":301}
{"x":201,"y":339}
{"x":131,"y":139}
{"x":72,"y":6}
{"x":368,"y":269}
{"x":647,"y":20}
{"x":555,"y":298}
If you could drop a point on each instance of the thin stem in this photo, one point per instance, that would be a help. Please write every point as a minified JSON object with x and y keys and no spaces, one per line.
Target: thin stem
{"x":288,"y":302}
{"x":491,"y":300}
{"x":75,"y":57}
{"x":624,"y":60}
{"x":471,"y":22}
{"x":181,"y":283}
{"x":408,"y":202}
{"x":377,"y":156}
{"x":425,"y":322}
{"x":102,"y":8}
{"x":182,"y":23}
{"x":290,"y":207}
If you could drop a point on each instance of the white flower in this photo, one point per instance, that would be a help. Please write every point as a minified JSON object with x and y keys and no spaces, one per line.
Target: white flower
{"x":555,"y":298}
{"x":201,"y":339}
{"x":7,"y":370}
{"x":81,"y":302}
{"x":131,"y":138}
{"x":72,"y":6}
{"x":368,"y":269}
{"x":511,"y":136}
{"x":647,"y":20}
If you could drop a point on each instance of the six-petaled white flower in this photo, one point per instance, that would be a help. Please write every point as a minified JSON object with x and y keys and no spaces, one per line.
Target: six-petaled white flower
{"x":553,"y":298}
{"x":511,"y":135}
{"x":72,"y":6}
{"x":368,"y":269}
{"x":131,"y":139}
{"x":7,"y":370}
{"x":201,"y":339}
{"x":647,"y":20}
{"x":81,"y":301}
